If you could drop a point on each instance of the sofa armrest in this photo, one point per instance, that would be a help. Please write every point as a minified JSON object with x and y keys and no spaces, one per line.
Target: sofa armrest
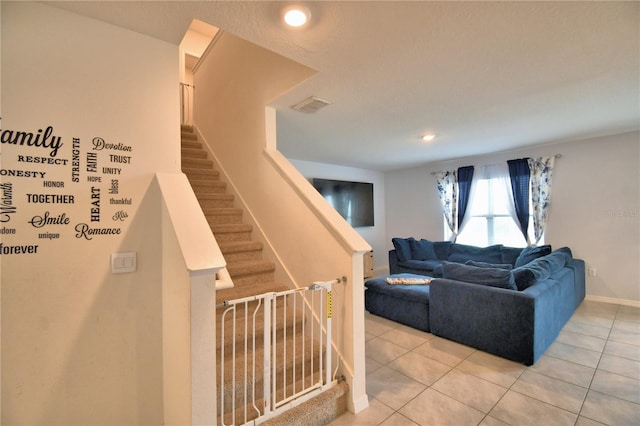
{"x":504,"y":322}
{"x":393,"y":262}
{"x":579,"y":271}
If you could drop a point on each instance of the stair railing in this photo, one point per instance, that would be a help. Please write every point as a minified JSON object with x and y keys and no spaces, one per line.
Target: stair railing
{"x":294,"y":363}
{"x":186,"y":103}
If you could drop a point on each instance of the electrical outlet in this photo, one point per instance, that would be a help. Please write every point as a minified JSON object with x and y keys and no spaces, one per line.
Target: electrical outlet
{"x":592,"y":272}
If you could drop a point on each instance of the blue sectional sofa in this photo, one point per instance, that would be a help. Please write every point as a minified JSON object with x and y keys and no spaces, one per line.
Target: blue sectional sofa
{"x":511,"y":302}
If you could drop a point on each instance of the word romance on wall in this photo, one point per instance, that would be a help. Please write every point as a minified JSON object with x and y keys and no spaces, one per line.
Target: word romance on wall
{"x":54,"y":188}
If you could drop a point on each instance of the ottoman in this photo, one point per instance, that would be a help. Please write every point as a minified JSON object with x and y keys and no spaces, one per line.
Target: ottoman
{"x":404,"y":303}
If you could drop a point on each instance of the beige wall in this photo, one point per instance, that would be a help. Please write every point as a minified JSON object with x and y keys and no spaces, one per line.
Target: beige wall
{"x":81,"y":345}
{"x":594,"y":210}
{"x":374,"y":235}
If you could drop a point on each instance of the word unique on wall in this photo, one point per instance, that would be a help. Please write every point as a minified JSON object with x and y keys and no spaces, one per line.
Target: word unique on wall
{"x":67,"y":188}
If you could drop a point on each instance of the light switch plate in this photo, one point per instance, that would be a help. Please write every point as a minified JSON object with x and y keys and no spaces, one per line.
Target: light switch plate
{"x":123,"y":262}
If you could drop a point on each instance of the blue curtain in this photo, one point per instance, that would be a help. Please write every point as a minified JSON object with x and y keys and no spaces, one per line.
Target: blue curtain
{"x":465,"y":175}
{"x":519,"y":173}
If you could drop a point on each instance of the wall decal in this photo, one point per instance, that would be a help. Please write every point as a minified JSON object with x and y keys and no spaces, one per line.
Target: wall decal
{"x":75,"y":160}
{"x":50,"y":198}
{"x":38,"y":139}
{"x":98,"y":163}
{"x":120,"y":215}
{"x":22,"y":173}
{"x":7,"y":209}
{"x":48,"y":219}
{"x":27,"y":249}
{"x":84,"y":231}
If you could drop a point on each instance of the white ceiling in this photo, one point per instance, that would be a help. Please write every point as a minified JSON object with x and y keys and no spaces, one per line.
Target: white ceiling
{"x":484,"y":76}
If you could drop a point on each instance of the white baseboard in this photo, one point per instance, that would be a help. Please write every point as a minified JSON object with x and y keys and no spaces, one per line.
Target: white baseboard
{"x":624,"y":302}
{"x":357,"y":406}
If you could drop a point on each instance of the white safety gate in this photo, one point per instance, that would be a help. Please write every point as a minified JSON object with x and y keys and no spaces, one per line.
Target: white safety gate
{"x":275,"y":352}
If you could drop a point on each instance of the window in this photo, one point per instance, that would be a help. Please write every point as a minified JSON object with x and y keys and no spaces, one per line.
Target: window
{"x":489,"y":219}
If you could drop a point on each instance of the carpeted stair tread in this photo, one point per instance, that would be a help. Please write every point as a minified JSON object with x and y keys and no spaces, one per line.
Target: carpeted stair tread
{"x":192,"y":153}
{"x":215,"y":200}
{"x":220,"y":216}
{"x":250,"y":267}
{"x":216,"y":197}
{"x":232,"y":247}
{"x":190,"y":144}
{"x":235,"y":246}
{"x":197,"y":163}
{"x":202,"y":174}
{"x":211,"y":187}
{"x":298,"y":360}
{"x":198,"y":182}
{"x":223,"y":211}
{"x":318,"y":411}
{"x":232,"y":232}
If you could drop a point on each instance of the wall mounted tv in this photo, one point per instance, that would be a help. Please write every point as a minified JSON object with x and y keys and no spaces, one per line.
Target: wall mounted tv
{"x":353,"y":200}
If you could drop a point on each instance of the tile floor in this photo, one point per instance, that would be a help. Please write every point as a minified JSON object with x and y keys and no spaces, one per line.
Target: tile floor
{"x":589,"y":376}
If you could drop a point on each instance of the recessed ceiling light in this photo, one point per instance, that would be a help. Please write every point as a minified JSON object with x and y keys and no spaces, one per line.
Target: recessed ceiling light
{"x":296,"y":16}
{"x":428,"y":137}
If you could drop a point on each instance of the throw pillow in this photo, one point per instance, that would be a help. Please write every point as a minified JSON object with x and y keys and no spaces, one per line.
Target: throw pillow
{"x":537,"y":270}
{"x":493,"y":277}
{"x":489,"y":265}
{"x":531,"y":253}
{"x":523,"y":277}
{"x":408,"y":281}
{"x":403,"y":250}
{"x":422,"y":250}
{"x":461,"y":253}
{"x":442,"y":249}
{"x":510,"y":254}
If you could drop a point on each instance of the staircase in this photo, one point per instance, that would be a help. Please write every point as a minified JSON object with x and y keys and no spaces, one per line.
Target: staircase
{"x":251,"y":275}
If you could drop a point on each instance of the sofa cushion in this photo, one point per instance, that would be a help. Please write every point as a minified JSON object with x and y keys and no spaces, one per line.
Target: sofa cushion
{"x":493,"y":277}
{"x":530,"y":253}
{"x":403,"y":249}
{"x":510,"y":254}
{"x":442,"y":249}
{"x":422,"y":250}
{"x":421,"y":265}
{"x":461,"y":253}
{"x":489,"y":265}
{"x":541,"y":268}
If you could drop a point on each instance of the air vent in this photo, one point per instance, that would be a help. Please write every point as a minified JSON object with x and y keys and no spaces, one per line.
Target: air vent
{"x":311,"y":105}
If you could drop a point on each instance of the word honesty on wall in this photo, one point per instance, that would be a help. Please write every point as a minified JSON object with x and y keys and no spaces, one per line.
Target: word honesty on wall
{"x":52,"y":188}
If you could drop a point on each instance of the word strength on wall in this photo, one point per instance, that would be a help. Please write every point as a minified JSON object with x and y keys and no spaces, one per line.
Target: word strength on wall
{"x":56,"y":187}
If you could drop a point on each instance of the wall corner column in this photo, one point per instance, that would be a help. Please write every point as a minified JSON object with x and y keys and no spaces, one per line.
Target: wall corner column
{"x":203,"y":347}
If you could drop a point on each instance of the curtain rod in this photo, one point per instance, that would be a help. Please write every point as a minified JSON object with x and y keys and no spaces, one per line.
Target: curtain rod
{"x":556,"y":156}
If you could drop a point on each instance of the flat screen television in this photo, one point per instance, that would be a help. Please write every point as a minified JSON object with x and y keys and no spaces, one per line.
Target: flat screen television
{"x":353,"y":200}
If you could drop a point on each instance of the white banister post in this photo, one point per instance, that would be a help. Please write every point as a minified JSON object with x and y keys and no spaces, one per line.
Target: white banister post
{"x":354,"y":295}
{"x":203,"y":347}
